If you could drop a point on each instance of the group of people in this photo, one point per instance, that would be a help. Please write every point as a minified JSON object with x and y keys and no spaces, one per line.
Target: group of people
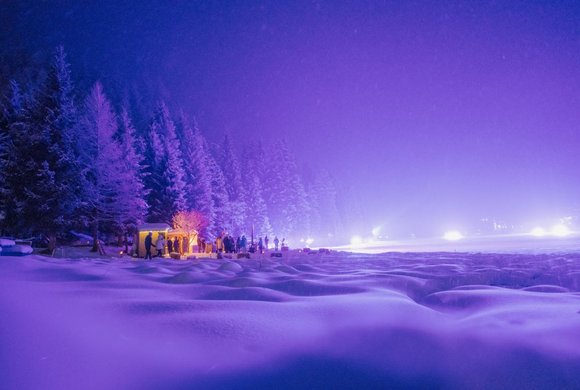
{"x":227,"y":244}
{"x":173,"y":246}
{"x":224,"y":243}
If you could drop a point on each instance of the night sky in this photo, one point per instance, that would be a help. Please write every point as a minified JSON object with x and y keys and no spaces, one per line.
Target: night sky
{"x":435,"y":114}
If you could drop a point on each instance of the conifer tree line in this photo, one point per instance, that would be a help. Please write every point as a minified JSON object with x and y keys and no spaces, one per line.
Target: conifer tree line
{"x":70,"y":160}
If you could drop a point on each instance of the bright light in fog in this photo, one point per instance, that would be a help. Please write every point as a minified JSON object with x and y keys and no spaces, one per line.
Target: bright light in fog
{"x":538,"y":232}
{"x":356,"y":240}
{"x":560,"y":231}
{"x":309,"y":241}
{"x":452,"y":235}
{"x":376,"y":231}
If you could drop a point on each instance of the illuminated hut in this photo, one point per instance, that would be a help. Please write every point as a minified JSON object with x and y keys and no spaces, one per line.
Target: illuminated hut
{"x":143,"y":231}
{"x":186,"y":242}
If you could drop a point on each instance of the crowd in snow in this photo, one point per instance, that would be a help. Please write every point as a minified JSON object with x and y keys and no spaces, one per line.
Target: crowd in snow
{"x":224,"y":243}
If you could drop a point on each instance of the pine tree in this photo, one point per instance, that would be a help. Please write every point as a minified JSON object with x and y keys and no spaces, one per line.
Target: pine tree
{"x":17,"y":166}
{"x":257,"y":216}
{"x":219,"y":196}
{"x":185,"y":134}
{"x":314,"y":212}
{"x":233,"y":185}
{"x":165,"y":175}
{"x":285,"y":194}
{"x":11,"y":109}
{"x":4,"y":190}
{"x":199,"y":175}
{"x":206,"y":191}
{"x":103,"y":162}
{"x":325,"y":215}
{"x":132,"y":191}
{"x":48,"y":195}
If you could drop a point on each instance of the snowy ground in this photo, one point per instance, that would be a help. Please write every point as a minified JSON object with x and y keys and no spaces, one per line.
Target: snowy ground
{"x":423,"y":320}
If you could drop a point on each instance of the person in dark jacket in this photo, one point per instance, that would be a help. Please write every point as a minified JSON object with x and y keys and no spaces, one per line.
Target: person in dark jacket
{"x":260,"y":245}
{"x":185,"y":246}
{"x":148,"y":245}
{"x":244,"y":243}
{"x":169,"y":246}
{"x":227,"y":244}
{"x":176,"y":245}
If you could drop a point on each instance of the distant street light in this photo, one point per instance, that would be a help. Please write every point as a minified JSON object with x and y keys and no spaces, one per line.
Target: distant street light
{"x":453,"y":235}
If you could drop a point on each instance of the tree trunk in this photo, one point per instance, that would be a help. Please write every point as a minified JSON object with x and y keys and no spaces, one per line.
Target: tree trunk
{"x":95,"y":247}
{"x":126,"y":243}
{"x":51,"y":243}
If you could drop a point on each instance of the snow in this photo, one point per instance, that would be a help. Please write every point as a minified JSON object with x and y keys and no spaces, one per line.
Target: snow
{"x":396,"y":320}
{"x":16,"y":250}
{"x":6,"y":242}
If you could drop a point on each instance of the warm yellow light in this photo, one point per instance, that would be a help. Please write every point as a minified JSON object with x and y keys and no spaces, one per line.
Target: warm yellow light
{"x":560,"y":231}
{"x":356,"y":241}
{"x":452,"y":235}
{"x":538,"y":232}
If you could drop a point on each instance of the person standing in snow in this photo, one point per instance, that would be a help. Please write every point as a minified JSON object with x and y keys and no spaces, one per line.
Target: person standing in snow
{"x":276,"y":242}
{"x":160,"y":245}
{"x":260,"y":245}
{"x":185,"y":246}
{"x":199,"y":244}
{"x":243,"y":243}
{"x":175,"y":244}
{"x":148,"y":245}
{"x":169,"y":246}
{"x":227,"y":244}
{"x":266,"y":241}
{"x":219,"y":244}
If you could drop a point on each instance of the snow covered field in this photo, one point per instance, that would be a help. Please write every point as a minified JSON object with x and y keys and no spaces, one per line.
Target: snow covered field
{"x":423,"y":320}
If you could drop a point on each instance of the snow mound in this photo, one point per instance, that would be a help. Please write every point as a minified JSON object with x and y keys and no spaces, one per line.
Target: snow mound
{"x":183,"y":278}
{"x":246,"y":293}
{"x":307,"y":288}
{"x":547,"y":289}
{"x":7,"y":242}
{"x":429,"y":320}
{"x":230,"y":266}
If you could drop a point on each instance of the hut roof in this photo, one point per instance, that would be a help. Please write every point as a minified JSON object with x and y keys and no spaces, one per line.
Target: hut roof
{"x":153,"y":226}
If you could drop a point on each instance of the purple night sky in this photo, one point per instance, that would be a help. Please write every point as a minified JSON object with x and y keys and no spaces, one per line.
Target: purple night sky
{"x":434,"y":114}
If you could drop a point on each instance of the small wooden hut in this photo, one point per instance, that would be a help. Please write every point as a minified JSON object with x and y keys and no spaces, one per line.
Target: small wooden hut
{"x":185,"y":245}
{"x":143,"y":231}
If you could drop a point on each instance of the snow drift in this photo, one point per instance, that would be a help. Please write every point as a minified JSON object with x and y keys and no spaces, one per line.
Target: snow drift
{"x":430,"y":320}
